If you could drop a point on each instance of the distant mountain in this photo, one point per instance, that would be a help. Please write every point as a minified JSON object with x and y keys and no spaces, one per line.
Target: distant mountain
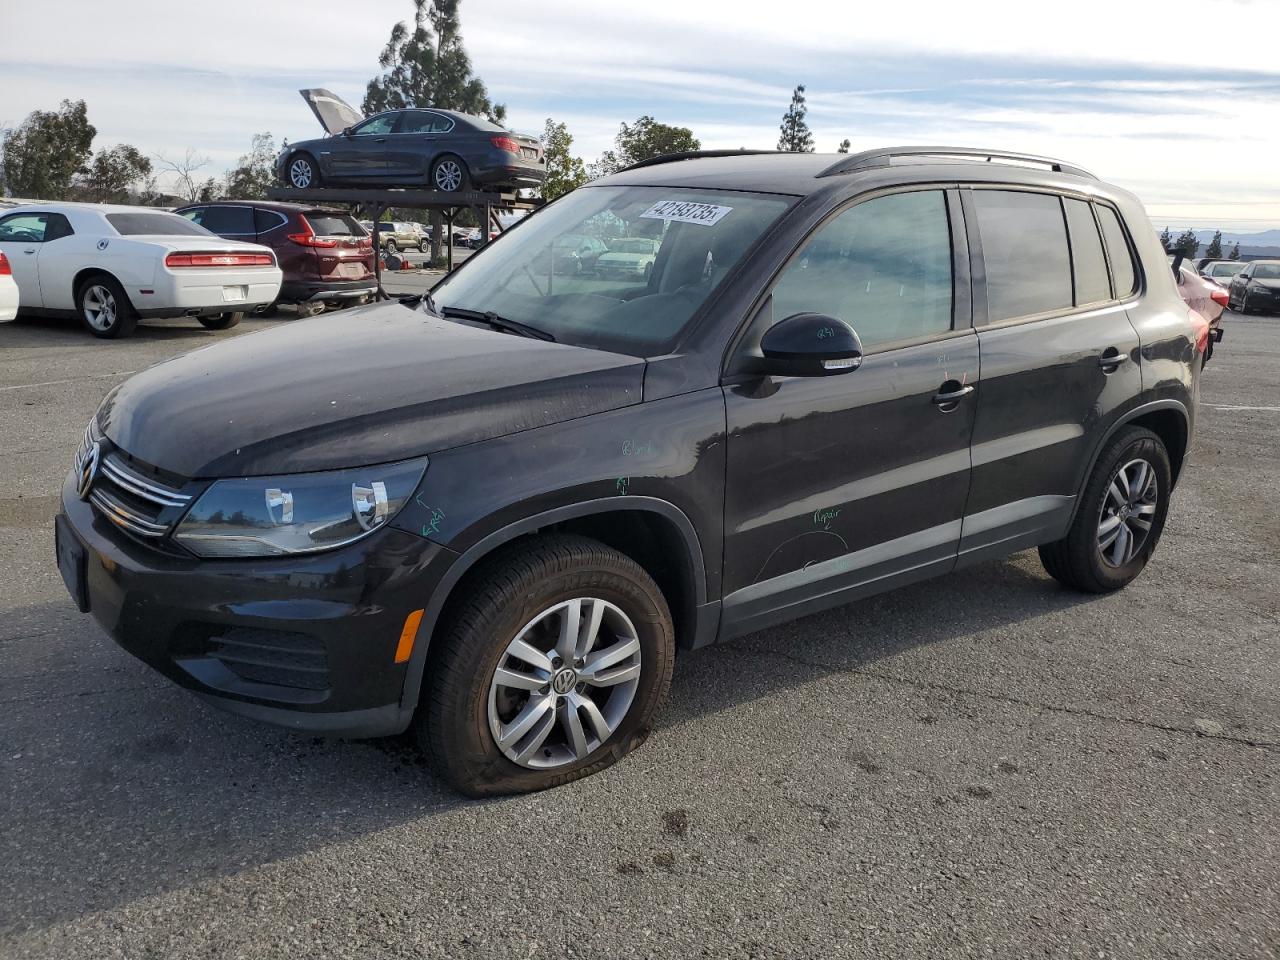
{"x":1266,"y":238}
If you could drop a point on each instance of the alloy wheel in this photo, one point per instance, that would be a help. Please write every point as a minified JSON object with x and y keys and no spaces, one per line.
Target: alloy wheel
{"x":1128,"y":511}
{"x":300,"y":174}
{"x":565,"y":683}
{"x":448,"y":175}
{"x":99,"y":306}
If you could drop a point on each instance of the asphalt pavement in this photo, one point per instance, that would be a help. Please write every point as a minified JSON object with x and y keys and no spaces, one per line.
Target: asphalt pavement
{"x":982,"y":765}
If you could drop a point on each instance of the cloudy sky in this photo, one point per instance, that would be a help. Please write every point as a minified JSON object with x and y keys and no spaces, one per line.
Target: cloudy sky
{"x":1179,"y":100}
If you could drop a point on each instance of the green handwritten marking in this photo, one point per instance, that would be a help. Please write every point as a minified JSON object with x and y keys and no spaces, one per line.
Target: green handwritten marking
{"x":823,"y":518}
{"x":436,"y":516}
{"x":826,"y":333}
{"x":623,"y":484}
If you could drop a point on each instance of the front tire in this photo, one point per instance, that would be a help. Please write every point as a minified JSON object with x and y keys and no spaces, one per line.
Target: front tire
{"x":104,"y":308}
{"x":391,"y":247}
{"x":1120,"y":516}
{"x":302,"y":172}
{"x":552,"y":668}
{"x":223,"y":321}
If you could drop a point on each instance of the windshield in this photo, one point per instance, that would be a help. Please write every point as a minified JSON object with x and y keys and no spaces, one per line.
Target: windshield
{"x":155,"y":225}
{"x":1226,"y":269}
{"x":1266,"y":271}
{"x":679,"y":244}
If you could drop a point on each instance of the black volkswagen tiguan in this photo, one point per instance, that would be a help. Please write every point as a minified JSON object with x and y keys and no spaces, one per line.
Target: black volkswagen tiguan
{"x":493,"y":514}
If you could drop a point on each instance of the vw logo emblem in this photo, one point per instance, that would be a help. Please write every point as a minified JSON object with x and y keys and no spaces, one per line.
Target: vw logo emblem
{"x":88,"y":470}
{"x":564,"y":681}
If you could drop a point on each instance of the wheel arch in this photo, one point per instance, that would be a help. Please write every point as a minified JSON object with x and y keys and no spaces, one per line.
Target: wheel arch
{"x":649,"y":530}
{"x":82,"y":276}
{"x":1168,"y":419}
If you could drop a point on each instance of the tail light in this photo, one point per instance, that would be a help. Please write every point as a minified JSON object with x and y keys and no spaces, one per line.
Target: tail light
{"x":505,"y":143}
{"x":365,"y":242}
{"x":5,"y":269}
{"x":308,"y":236}
{"x":1221,"y":297}
{"x":218,"y":259}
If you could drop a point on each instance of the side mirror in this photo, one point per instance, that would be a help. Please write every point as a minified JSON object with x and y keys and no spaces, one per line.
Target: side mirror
{"x":346,"y":132}
{"x":810,"y":345}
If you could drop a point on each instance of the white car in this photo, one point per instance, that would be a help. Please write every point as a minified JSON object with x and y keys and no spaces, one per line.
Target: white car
{"x":110,"y":265}
{"x":8,"y":291}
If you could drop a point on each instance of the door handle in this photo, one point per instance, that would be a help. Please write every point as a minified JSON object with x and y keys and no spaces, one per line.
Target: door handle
{"x":380,"y":140}
{"x":28,"y":251}
{"x":1111,"y":359}
{"x":948,"y":399}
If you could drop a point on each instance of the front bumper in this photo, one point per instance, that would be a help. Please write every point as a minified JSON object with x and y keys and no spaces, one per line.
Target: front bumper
{"x":306,"y":642}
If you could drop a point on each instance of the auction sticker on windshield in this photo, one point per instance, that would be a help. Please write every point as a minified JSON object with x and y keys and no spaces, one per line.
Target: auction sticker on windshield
{"x":706,"y":214}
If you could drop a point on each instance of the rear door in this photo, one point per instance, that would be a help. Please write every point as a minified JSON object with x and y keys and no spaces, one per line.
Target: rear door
{"x":849,"y":484}
{"x":1059,"y":359}
{"x":416,"y":143}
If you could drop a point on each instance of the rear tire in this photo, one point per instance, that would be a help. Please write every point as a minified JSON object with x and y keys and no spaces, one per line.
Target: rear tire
{"x":1107,"y":545}
{"x":527,"y":594}
{"x":223,"y":321}
{"x":449,"y":174}
{"x":391,"y":247}
{"x":104,"y":308}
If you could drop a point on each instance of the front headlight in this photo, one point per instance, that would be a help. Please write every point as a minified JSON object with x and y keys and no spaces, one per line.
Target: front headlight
{"x":303,"y":513}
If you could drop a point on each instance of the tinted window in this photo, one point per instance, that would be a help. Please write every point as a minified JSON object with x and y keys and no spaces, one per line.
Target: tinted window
{"x":1122,"y":269}
{"x":58,"y":227}
{"x":1087,"y":260}
{"x":1024,"y":247}
{"x":1267,"y":271}
{"x":377,"y":125}
{"x":334,"y":225}
{"x":267,"y":220}
{"x":419,"y":121}
{"x":24,"y":227}
{"x":224,"y":221}
{"x":155,"y":225}
{"x":883,"y":267}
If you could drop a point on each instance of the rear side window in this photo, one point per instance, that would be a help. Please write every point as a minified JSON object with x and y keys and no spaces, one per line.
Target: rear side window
{"x":1122,"y":268}
{"x":267,"y":220}
{"x":155,"y":225}
{"x":334,"y":225}
{"x":1024,"y":248}
{"x":419,"y":121}
{"x":1088,"y":263}
{"x":882,"y":266}
{"x":224,"y":221}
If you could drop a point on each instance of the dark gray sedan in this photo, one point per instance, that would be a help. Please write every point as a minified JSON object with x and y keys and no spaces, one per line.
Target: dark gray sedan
{"x":437,"y":149}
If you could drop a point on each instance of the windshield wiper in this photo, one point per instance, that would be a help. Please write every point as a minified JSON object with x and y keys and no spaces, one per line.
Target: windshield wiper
{"x":496,"y":322}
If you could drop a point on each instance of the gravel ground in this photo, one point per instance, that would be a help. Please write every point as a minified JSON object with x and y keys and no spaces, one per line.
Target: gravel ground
{"x":983,"y":765}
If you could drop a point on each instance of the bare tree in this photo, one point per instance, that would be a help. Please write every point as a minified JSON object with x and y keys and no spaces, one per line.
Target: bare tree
{"x":184,"y":172}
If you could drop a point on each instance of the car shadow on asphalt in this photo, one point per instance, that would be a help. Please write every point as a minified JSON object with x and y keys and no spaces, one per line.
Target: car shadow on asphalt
{"x":121,"y":786}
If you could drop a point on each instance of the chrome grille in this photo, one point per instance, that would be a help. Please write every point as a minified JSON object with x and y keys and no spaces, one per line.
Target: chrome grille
{"x":141,"y":505}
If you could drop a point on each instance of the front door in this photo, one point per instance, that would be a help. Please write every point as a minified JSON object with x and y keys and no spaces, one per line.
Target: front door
{"x":845,"y":485}
{"x":21,"y":237}
{"x":360,"y":154}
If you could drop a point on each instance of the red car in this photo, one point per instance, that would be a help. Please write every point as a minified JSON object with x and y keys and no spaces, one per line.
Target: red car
{"x":326,"y":256}
{"x":1206,"y":299}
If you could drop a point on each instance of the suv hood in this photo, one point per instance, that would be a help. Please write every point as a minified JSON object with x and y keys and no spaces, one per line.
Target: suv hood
{"x":364,"y":386}
{"x":334,"y":113}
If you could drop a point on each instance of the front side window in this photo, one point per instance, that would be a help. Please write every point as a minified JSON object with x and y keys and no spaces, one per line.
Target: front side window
{"x":376,"y":126}
{"x":1024,"y":249}
{"x":665,"y":250}
{"x":24,"y":227}
{"x":882,"y":266}
{"x":1122,"y":269}
{"x":1266,"y":271}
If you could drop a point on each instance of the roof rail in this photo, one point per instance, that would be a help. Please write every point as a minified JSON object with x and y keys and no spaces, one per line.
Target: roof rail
{"x":883,"y":157}
{"x":692,"y":155}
